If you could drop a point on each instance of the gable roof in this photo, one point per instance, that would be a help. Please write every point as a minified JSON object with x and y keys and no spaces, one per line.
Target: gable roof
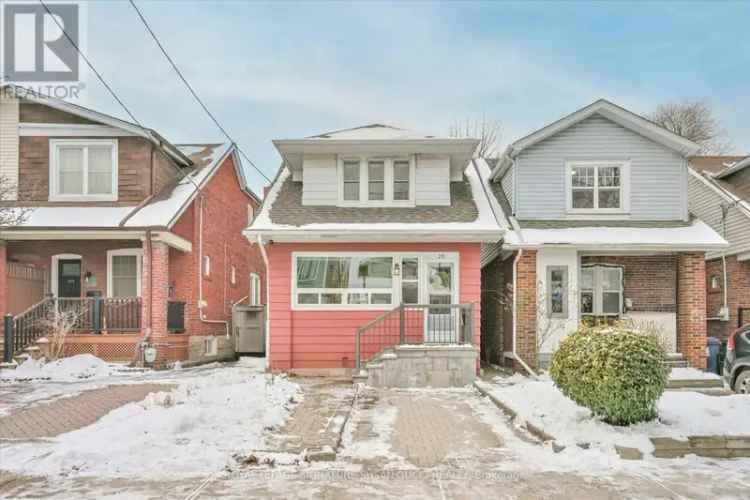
{"x":736,"y":167}
{"x":375,"y":131}
{"x":170,"y":149}
{"x":611,"y":111}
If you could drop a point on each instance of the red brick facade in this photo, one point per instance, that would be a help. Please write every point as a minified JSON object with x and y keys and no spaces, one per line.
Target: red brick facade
{"x":691,"y":308}
{"x":738,"y":295}
{"x":526,"y":307}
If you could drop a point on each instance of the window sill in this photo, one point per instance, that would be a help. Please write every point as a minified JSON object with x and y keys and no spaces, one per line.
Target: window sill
{"x":83,"y":198}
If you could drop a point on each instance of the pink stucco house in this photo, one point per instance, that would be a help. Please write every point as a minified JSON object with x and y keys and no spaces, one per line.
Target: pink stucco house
{"x":372,"y":239}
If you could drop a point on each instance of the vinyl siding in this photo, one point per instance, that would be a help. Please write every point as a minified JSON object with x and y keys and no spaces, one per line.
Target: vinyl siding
{"x":9,"y":116}
{"x":319,"y":180}
{"x":507,"y":184}
{"x":705,"y":203}
{"x":658,"y":176}
{"x":433,"y":180}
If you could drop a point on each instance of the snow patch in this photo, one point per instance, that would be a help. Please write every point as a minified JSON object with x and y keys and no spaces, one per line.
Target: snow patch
{"x":80,"y":366}
{"x":691,"y":374}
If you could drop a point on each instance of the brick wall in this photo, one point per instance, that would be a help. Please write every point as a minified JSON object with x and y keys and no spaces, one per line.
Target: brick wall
{"x":650,"y":280}
{"x":497,"y":309}
{"x":738,"y":294}
{"x":691,"y":308}
{"x":224,"y":218}
{"x":526,"y":307}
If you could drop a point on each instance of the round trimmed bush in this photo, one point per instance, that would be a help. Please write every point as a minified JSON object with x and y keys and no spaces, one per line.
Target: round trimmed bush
{"x":616,"y":372}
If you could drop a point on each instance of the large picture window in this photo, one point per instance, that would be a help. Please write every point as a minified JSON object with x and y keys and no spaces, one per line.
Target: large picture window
{"x":354,"y":280}
{"x":601,"y":290}
{"x":597,"y":186}
{"x":83,"y":170}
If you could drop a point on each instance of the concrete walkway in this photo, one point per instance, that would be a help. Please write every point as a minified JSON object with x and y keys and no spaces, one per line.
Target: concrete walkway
{"x":74,"y":412}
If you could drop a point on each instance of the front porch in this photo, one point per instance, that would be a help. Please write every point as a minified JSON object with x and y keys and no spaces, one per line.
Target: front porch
{"x":557,"y":288}
{"x":117,"y":290}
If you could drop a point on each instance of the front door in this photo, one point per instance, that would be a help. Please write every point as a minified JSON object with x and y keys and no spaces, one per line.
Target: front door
{"x":69,"y":278}
{"x":442,"y":322}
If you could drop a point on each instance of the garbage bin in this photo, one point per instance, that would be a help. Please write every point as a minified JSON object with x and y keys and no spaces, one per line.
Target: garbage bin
{"x":720,"y":359}
{"x":713,"y":354}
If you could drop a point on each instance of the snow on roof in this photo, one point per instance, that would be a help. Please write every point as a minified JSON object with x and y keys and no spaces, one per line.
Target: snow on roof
{"x":375,"y":131}
{"x":698,"y":235}
{"x":168,"y":204}
{"x":72,"y":217}
{"x":485,"y":225}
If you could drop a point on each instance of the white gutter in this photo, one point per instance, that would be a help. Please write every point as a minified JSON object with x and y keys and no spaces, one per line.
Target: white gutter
{"x":264,"y":255}
{"x":515,"y":322}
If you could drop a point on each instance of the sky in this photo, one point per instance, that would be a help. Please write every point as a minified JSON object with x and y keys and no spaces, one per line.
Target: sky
{"x":289,"y":70}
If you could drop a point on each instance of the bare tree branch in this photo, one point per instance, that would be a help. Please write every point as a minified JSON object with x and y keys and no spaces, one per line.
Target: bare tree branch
{"x":488,"y":132}
{"x":10,"y":216}
{"x":694,"y":121}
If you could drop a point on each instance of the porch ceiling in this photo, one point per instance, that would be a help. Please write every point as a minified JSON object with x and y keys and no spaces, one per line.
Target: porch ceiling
{"x":169,"y":238}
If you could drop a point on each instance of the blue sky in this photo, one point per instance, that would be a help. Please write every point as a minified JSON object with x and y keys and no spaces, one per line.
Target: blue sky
{"x":283,"y":70}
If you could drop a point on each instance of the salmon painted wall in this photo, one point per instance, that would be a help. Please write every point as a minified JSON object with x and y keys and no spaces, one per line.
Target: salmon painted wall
{"x":325,"y":339}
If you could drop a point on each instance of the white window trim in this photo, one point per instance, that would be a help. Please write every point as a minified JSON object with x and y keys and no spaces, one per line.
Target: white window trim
{"x":206,"y":266}
{"x":624,"y":186}
{"x":424,"y":259}
{"x":54,"y":272}
{"x":55,"y":144}
{"x":233,"y":275}
{"x":598,"y":290}
{"x":139,"y":267}
{"x":388,"y":200}
{"x":255,"y":290}
{"x":210,"y":346}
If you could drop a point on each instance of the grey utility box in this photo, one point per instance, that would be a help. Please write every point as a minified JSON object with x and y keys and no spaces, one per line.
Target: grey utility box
{"x":249,"y":329}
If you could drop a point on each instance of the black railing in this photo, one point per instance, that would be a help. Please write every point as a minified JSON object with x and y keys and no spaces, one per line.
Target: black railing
{"x":90,"y":314}
{"x":418,"y":324}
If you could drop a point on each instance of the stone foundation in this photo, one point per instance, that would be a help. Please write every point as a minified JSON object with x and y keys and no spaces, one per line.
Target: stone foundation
{"x":197,"y":349}
{"x":424,"y":366}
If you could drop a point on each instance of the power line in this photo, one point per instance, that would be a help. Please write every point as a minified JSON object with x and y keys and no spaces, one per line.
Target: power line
{"x":192,"y":91}
{"x":91,"y":66}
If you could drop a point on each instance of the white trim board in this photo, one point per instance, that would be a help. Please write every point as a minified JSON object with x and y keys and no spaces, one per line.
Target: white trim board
{"x":70,"y":130}
{"x":53,"y":272}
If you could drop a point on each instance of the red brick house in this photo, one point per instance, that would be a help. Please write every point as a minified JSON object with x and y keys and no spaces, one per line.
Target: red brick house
{"x":124,"y":225}
{"x":719,"y":194}
{"x":601,"y":230}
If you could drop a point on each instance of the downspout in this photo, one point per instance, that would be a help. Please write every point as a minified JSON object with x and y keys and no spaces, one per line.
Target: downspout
{"x":268,"y":294}
{"x":201,"y":304}
{"x":515,"y":323}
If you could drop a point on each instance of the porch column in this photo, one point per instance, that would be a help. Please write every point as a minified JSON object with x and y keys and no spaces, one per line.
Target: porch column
{"x":155,"y":292}
{"x":526,"y":308}
{"x":691,"y":308}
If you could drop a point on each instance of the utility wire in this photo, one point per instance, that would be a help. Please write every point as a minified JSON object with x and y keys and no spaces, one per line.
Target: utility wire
{"x":192,"y":91}
{"x":91,"y":66}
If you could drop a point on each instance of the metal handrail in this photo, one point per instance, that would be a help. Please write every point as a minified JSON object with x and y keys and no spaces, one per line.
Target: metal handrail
{"x":455,"y":329}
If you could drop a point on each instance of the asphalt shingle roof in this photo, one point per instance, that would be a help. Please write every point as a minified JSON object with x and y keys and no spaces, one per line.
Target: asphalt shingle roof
{"x":287,"y":209}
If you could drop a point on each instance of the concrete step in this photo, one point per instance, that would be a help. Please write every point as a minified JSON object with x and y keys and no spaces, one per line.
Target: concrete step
{"x":695,"y":383}
{"x":708,"y":391}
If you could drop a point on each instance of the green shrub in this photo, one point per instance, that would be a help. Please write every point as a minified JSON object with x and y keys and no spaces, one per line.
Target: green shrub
{"x":616,"y":372}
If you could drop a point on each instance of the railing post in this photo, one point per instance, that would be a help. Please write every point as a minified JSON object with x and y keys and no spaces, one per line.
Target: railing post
{"x":401,"y":325}
{"x":470,"y":324}
{"x":96,"y":315}
{"x":357,"y":350}
{"x":8,"y":338}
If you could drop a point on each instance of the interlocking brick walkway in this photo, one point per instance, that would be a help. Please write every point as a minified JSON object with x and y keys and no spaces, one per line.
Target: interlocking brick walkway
{"x":70,"y":413}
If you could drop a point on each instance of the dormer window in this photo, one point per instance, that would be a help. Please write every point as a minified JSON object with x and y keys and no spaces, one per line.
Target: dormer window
{"x":378,"y":181}
{"x":597,"y":187}
{"x":83,"y":170}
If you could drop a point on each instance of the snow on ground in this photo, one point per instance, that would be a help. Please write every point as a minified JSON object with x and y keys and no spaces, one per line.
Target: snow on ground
{"x":193,"y":429}
{"x":680,"y":414}
{"x":80,"y":366}
{"x":691,"y":374}
{"x":378,"y":443}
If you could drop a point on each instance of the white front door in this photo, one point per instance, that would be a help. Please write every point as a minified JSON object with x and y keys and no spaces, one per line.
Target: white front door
{"x":441,"y":325}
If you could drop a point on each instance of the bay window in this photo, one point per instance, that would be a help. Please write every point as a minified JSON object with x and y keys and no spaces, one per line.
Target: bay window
{"x":597,"y":186}
{"x":83,"y":170}
{"x":376,"y":181}
{"x":601,"y":290}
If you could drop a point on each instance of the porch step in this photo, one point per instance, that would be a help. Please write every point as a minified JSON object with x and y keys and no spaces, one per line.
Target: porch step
{"x":695,"y":384}
{"x":675,"y":360}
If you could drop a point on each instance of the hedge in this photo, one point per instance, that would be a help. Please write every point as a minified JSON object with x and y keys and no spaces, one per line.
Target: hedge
{"x":615,"y":371}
